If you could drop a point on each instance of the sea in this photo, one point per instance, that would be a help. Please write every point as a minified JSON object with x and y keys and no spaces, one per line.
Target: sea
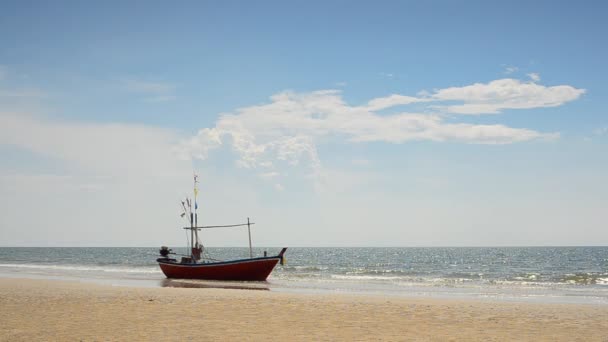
{"x":529,"y":274}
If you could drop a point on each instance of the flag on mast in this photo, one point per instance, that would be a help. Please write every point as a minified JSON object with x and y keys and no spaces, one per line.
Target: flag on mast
{"x":195,"y":191}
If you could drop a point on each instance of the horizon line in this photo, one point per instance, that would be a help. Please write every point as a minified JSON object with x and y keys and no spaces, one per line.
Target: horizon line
{"x":425,"y":246}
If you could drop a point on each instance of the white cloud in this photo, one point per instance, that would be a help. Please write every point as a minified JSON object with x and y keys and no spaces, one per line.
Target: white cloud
{"x":105,"y":148}
{"x":285,"y":132}
{"x":272,"y":176}
{"x":161,"y":98}
{"x":17,"y":94}
{"x":492,"y":97}
{"x":92,"y":183}
{"x":510,"y":69}
{"x":391,"y":101}
{"x":155,"y":91}
{"x":360,"y":162}
{"x":289,"y":129}
{"x":113,"y":176}
{"x":534,"y":76}
{"x":601,"y":131}
{"x":47,"y":182}
{"x":148,"y":87}
{"x":269,"y":175}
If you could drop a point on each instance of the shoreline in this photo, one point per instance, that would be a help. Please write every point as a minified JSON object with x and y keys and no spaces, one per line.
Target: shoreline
{"x":537,"y":275}
{"x":35,"y":309}
{"x":475,"y":293}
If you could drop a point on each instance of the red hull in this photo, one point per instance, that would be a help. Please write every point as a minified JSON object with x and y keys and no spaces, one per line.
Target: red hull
{"x":244,"y":270}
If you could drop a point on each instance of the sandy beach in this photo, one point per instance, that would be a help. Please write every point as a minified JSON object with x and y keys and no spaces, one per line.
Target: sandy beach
{"x":48,"y":310}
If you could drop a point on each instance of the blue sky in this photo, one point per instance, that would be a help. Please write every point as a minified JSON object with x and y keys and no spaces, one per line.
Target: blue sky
{"x":331,"y":123}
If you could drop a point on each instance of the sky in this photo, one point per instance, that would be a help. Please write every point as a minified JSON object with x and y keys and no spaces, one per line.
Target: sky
{"x":327,"y":123}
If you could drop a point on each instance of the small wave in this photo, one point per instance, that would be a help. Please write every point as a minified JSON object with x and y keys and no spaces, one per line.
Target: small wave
{"x":362,"y":277}
{"x":523,"y":283}
{"x":586,"y":279}
{"x":388,"y":272}
{"x":82,"y":268}
{"x":398,"y":279}
{"x":465,"y":275}
{"x":305,"y":268}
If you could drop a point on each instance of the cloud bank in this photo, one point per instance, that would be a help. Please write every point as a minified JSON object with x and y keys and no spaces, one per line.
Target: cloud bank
{"x":288,"y":130}
{"x":291,"y":126}
{"x":508,"y":93}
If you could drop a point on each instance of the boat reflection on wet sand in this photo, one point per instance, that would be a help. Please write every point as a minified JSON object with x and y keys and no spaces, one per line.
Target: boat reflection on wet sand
{"x":214,"y":284}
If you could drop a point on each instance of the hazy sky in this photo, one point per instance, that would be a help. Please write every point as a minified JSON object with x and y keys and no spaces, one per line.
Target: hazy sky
{"x":330,"y":123}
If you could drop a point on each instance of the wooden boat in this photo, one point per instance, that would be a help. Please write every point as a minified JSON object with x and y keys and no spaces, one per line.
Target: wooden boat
{"x":243,"y":269}
{"x":197,"y":265}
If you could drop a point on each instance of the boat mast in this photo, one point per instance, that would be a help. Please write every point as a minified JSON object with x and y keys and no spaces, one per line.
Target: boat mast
{"x":191,"y":236}
{"x":194,"y":232}
{"x":249,"y":231}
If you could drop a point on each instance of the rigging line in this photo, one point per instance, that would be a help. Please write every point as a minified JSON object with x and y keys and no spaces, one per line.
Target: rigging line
{"x":187,"y":241}
{"x":184,"y":255}
{"x":212,"y":259}
{"x":224,"y":226}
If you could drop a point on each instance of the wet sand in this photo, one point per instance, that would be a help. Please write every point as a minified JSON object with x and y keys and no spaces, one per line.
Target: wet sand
{"x":47,"y":310}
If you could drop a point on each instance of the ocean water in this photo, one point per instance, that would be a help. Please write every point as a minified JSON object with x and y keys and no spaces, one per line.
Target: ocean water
{"x":540,"y":274}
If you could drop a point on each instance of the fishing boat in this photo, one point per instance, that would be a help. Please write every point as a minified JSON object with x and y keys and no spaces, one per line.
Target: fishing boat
{"x":199,"y":265}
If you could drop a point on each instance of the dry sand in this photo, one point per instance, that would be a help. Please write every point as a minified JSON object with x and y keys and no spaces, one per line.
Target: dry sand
{"x":46,"y":310}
